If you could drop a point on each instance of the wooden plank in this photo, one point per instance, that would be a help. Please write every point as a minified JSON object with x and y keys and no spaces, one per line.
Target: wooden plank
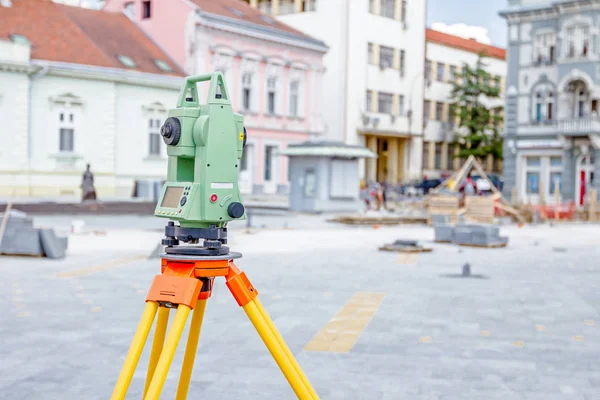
{"x":486,"y":246}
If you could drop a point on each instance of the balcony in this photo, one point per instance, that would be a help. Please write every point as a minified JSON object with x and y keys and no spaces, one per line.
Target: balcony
{"x":578,"y":126}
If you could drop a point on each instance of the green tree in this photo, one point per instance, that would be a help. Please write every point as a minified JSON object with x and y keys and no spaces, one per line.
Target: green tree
{"x":478,"y":131}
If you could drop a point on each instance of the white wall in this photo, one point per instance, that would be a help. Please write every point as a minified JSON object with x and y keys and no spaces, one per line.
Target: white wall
{"x":329,"y":25}
{"x":441,"y":91}
{"x":111,"y":133}
{"x":13,"y":120}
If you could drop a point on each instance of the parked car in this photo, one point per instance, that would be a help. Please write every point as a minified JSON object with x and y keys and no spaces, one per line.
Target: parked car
{"x":427,"y":184}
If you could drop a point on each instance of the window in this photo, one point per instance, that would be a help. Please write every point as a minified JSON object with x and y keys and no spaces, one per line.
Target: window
{"x":163,"y":66}
{"x":452,"y":72}
{"x":310,"y":183}
{"x":401,"y":105}
{"x":294,"y":89}
{"x":438,"y":155}
{"x":308,"y":5}
{"x":549,"y":106}
{"x":286,"y":7}
{"x":372,"y":6}
{"x":66,"y":132}
{"x":538,"y":107}
{"x":269,"y":156}
{"x":20,"y":39}
{"x":426,"y":155}
{"x":581,"y":100}
{"x":388,"y":8}
{"x":271,"y":94}
{"x":247,"y":91}
{"x":555,"y":179}
{"x":66,"y":139}
{"x":369,"y":101}
{"x":154,"y":136}
{"x":439,"y":109}
{"x":426,"y":110}
{"x":385,"y":103}
{"x":577,"y":41}
{"x":244,"y":159}
{"x":129,"y":8}
{"x":127,"y":61}
{"x":146,"y":9}
{"x":265,"y":6}
{"x":403,"y":11}
{"x":497,"y":81}
{"x":343,"y":179}
{"x":428,"y":70}
{"x":441,"y":68}
{"x":450,"y":157}
{"x":544,"y":48}
{"x":533,"y":182}
{"x":386,"y":57}
{"x":452,"y":114}
{"x":370,"y":54}
{"x":402,"y":61}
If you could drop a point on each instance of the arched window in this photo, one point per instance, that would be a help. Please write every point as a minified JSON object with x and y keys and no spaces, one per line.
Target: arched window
{"x":549,"y":106}
{"x":538,"y":106}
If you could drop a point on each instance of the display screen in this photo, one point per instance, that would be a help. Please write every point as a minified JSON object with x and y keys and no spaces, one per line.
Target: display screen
{"x":172,"y":196}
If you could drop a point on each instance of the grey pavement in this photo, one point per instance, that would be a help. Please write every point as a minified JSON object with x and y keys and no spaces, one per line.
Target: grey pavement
{"x":528,"y":330}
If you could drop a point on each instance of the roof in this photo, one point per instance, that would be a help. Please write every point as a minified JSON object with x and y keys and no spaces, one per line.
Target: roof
{"x":327,"y":149}
{"x":82,"y":36}
{"x":240,"y":11}
{"x":471,"y":45}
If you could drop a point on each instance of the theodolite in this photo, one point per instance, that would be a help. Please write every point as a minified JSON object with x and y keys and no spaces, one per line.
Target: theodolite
{"x":205,"y":143}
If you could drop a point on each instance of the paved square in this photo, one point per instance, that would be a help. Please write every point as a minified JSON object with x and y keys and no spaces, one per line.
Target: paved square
{"x":527,"y":329}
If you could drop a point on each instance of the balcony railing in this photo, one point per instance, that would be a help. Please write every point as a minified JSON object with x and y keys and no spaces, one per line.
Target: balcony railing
{"x":579,"y":125}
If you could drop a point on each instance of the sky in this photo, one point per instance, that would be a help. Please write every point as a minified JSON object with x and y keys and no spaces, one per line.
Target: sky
{"x":471,"y":18}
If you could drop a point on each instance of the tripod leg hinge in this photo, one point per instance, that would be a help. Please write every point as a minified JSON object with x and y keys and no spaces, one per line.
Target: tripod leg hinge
{"x":240,"y":286}
{"x":174,"y":290}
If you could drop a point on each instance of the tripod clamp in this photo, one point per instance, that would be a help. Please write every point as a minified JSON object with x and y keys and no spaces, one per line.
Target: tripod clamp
{"x":214,"y":239}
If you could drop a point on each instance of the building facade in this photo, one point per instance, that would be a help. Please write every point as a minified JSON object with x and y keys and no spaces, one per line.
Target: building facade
{"x":446,"y":56}
{"x":552,"y":135}
{"x":274,"y":73}
{"x":373,"y":84}
{"x":73,"y":92}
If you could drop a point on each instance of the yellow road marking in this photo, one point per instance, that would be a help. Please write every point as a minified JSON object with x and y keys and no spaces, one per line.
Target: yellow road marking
{"x":578,"y":338}
{"x":485,"y":333}
{"x":589,"y":322}
{"x":101,"y":267}
{"x":407,"y":258}
{"x":540,"y":328}
{"x":340,"y":334}
{"x":518,"y":343}
{"x":425,"y":339}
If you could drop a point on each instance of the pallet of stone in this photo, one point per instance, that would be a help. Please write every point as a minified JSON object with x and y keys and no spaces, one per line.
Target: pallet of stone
{"x":443,"y":233}
{"x":406,"y":246}
{"x":21,"y":238}
{"x":379,"y":220}
{"x":479,"y":235}
{"x":480,"y":209}
{"x":444,"y":204}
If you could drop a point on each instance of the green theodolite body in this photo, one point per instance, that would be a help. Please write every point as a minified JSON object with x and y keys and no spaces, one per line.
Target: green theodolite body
{"x":204,"y":144}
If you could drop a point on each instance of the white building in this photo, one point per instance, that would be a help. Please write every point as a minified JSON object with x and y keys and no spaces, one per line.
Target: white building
{"x":446,"y":56}
{"x":373,"y":86}
{"x":73,"y":92}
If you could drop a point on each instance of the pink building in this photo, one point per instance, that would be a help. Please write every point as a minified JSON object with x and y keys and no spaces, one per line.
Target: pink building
{"x":273,"y":72}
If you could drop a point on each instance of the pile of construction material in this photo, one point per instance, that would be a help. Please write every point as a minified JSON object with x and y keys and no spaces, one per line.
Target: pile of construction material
{"x":470,"y":235}
{"x":406,"y":246}
{"x":19,"y":237}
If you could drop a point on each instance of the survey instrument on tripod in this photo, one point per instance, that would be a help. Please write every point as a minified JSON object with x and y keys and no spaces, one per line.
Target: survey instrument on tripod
{"x":204,"y":144}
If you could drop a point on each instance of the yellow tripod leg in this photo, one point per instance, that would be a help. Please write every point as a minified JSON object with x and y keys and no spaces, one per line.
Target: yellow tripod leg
{"x":135,"y":350}
{"x":157,"y":345}
{"x":285,"y":348}
{"x":190,"y":350}
{"x":279,"y":355}
{"x":166,"y":356}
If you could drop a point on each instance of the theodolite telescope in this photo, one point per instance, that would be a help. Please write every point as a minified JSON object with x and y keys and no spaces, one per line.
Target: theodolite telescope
{"x":205,"y":143}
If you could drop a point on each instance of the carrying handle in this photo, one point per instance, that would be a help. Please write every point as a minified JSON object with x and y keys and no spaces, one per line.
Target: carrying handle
{"x":217,"y":92}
